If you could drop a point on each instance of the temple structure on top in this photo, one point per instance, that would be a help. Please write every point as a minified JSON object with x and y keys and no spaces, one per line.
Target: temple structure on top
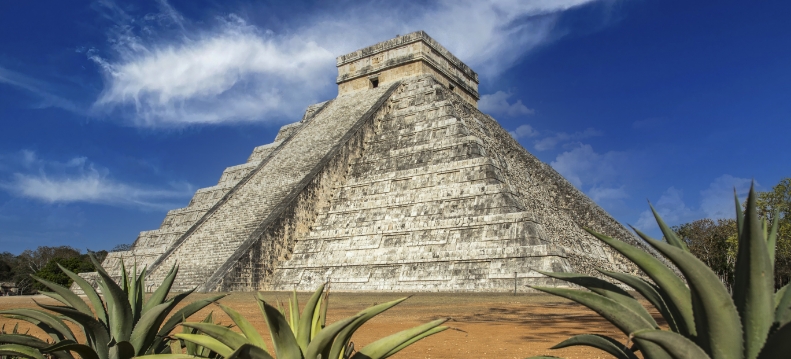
{"x":402,"y":57}
{"x":397,"y":184}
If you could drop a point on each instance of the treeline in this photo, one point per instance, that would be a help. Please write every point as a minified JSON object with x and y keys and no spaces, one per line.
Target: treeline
{"x":715,"y":241}
{"x":43,"y":262}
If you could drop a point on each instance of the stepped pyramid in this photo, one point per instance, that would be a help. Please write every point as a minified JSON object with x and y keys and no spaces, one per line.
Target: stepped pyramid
{"x":397,"y":184}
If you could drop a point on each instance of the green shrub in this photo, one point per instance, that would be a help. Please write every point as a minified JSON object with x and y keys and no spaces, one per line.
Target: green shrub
{"x":119,"y":326}
{"x":704,"y":321}
{"x":301,"y":336}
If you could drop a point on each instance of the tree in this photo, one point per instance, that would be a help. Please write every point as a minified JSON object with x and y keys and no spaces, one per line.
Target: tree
{"x":53,"y":273}
{"x":7,"y":264}
{"x":714,"y":243}
{"x":777,"y":202}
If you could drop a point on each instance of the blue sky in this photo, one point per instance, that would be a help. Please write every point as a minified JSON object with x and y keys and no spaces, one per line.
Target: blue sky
{"x":113,"y":112}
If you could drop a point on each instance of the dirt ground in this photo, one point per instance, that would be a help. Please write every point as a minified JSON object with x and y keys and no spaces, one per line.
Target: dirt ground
{"x":485,"y":325}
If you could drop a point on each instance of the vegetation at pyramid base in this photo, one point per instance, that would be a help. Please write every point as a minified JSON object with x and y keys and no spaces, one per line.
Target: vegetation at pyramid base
{"x":295,"y":335}
{"x":704,"y":320}
{"x":120,"y":325}
{"x":715,"y":242}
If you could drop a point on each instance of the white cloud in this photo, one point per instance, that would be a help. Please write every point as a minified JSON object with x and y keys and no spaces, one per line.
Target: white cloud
{"x":671,"y":208}
{"x":600,"y":194}
{"x":523,"y":131}
{"x":497,"y":103}
{"x":549,"y":142}
{"x":716,"y":202}
{"x":237,"y":71}
{"x":585,"y":168}
{"x":39,"y":89}
{"x":78,"y":180}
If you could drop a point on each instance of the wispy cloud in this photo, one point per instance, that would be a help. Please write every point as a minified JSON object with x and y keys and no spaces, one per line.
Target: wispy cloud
{"x":549,"y":142}
{"x":39,"y":89}
{"x":78,"y":180}
{"x":716,"y":201}
{"x":235,"y":70}
{"x":585,"y":169}
{"x":497,"y":103}
{"x":523,"y":131}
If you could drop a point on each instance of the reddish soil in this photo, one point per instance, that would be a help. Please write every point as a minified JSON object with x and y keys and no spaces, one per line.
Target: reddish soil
{"x":485,"y":325}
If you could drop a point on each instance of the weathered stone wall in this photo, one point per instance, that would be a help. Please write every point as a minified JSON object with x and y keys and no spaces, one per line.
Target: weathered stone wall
{"x":405,"y":56}
{"x":226,"y":231}
{"x":422,"y":209}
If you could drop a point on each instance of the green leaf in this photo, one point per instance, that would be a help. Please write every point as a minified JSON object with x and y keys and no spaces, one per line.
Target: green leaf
{"x":90,"y":292}
{"x":156,"y":343}
{"x":71,"y":299}
{"x":293,"y":311}
{"x":601,"y":342}
{"x":605,"y":289}
{"x":322,"y":342}
{"x":739,"y":214}
{"x":306,"y":319}
{"x":365,"y":315}
{"x":674,"y":344}
{"x":670,"y":235}
{"x":778,"y":345}
{"x":146,"y":328}
{"x":753,"y":287}
{"x":93,"y":328}
{"x":207,"y":342}
{"x":84,"y":351}
{"x":623,"y":318}
{"x":248,"y":351}
{"x":186,"y":312}
{"x":783,"y":306}
{"x":60,"y":330}
{"x":167,"y":356}
{"x":159,"y":295}
{"x":226,"y":336}
{"x":382,"y":347}
{"x":244,"y":325}
{"x":285,"y":343}
{"x":118,"y":308}
{"x":414,"y":339}
{"x":674,"y":290}
{"x":649,"y":292}
{"x":121,"y":350}
{"x":13,"y":350}
{"x":23,"y":339}
{"x":718,"y":325}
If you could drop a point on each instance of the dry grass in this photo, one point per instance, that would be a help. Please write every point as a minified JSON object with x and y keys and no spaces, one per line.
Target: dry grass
{"x":487,"y":325}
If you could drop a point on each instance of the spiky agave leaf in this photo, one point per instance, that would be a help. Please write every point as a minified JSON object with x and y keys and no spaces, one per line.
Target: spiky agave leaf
{"x":605,"y":289}
{"x":754,"y":281}
{"x":672,"y":288}
{"x":306,"y":319}
{"x":16,"y":350}
{"x":718,"y":325}
{"x":223,"y":334}
{"x":53,"y":325}
{"x":674,"y":344}
{"x":649,"y":291}
{"x":601,"y":342}
{"x":390,"y":345}
{"x":283,"y":338}
{"x":90,"y":292}
{"x":244,"y":325}
{"x":343,"y":338}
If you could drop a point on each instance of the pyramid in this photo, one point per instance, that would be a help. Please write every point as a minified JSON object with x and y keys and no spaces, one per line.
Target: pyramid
{"x":397,"y":184}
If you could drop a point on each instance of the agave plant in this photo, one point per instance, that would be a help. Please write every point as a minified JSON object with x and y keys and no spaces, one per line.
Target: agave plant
{"x":301,"y":336}
{"x":119,"y":326}
{"x":703,"y":319}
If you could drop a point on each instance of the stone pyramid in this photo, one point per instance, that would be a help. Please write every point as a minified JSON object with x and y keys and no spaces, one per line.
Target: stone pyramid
{"x":397,"y":184}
